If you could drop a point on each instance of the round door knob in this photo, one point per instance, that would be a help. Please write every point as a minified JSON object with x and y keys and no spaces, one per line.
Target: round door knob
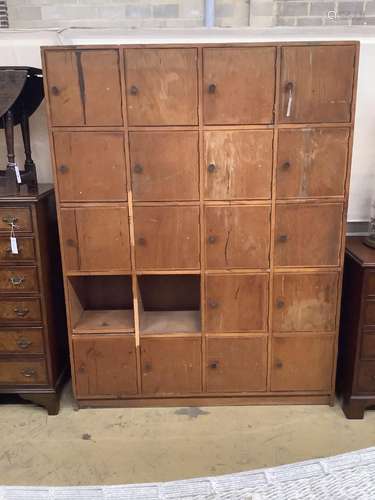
{"x":278,"y":364}
{"x":282,"y":238}
{"x":214,"y":365}
{"x":138,"y":169}
{"x":63,"y":169}
{"x":70,"y":242}
{"x":212,"y":304}
{"x":142,"y":241}
{"x":133,"y":90}
{"x":211,"y":239}
{"x":280,"y":303}
{"x":211,"y":88}
{"x":285,"y":165}
{"x":211,"y":168}
{"x":55,"y":90}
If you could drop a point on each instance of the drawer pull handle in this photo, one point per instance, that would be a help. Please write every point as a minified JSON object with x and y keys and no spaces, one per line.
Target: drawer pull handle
{"x":211,"y":168}
{"x":20,"y":312}
{"x":138,"y":169}
{"x":28,"y":372}
{"x":63,"y":169}
{"x":280,"y":303}
{"x":211,"y":88}
{"x":10,"y":219}
{"x":285,"y":165}
{"x":24,"y":343}
{"x":16,"y":280}
{"x":211,"y":239}
{"x":283,"y":238}
{"x":133,"y":90}
{"x":9,"y":251}
{"x":212,"y":304}
{"x":55,"y":90}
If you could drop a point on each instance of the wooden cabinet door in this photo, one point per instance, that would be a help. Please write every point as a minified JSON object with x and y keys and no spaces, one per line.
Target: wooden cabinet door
{"x":104,"y":366}
{"x":164,"y":166}
{"x":316,"y":83}
{"x":302,"y":363}
{"x":171,"y":366}
{"x":308,"y":234}
{"x":237,"y":237}
{"x":166,"y":237}
{"x":304,"y":302}
{"x":238,"y":164}
{"x":95,"y":238}
{"x":162,"y":86}
{"x":238,"y":85}
{"x":90,"y":166}
{"x":236,"y":364}
{"x":236,"y":303}
{"x":312,"y":162}
{"x":84,"y":87}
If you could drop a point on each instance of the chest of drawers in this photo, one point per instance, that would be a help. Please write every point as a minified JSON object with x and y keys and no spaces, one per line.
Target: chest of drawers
{"x":33,"y":350}
{"x":356,"y":366}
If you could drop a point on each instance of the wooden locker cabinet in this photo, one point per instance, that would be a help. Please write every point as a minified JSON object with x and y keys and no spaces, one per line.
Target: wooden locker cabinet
{"x":202,"y":218}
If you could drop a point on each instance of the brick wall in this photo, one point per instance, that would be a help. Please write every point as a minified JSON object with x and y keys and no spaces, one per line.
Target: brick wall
{"x":185,"y":13}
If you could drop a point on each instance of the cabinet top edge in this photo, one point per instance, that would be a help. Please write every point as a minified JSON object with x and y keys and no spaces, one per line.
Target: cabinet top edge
{"x":192,"y":44}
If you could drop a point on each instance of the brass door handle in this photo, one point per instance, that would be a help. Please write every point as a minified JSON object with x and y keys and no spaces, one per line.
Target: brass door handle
{"x":16,"y":280}
{"x":10,"y":219}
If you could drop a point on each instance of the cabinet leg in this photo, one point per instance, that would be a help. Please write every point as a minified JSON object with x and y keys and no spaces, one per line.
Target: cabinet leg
{"x":354,"y":408}
{"x":51,"y":402}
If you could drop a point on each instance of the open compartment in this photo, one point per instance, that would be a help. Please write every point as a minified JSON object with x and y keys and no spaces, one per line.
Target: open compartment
{"x":169,"y":304}
{"x":101,"y":304}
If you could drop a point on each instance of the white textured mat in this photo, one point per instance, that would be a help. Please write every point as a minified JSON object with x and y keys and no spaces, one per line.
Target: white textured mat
{"x":350,"y":476}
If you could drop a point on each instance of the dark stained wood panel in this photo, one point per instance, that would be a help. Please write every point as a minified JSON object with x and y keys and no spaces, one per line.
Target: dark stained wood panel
{"x":237,"y":237}
{"x":238,"y":85}
{"x":308,"y":234}
{"x":319,"y":81}
{"x":236,"y":303}
{"x":238,"y":164}
{"x":105,"y":366}
{"x":312,"y":162}
{"x":90,"y":166}
{"x":84,"y":87}
{"x":305,"y":302}
{"x":167,"y":237}
{"x":164,"y":165}
{"x":236,"y":364}
{"x":302,"y":363}
{"x":162,"y":86}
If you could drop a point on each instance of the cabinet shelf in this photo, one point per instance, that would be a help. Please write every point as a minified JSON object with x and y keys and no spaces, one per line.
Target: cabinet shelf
{"x":105,"y":321}
{"x":152,"y":322}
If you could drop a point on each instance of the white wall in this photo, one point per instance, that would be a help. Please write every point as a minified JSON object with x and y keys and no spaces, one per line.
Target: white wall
{"x":23,"y":48}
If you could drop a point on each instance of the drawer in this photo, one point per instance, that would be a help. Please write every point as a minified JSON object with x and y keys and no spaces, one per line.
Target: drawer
{"x":26,"y":250}
{"x":369,"y":313}
{"x":368,"y":346}
{"x":19,"y":279}
{"x":21,"y":218}
{"x":32,"y":372}
{"x":21,"y":340}
{"x":366,"y":377}
{"x":20,"y":310}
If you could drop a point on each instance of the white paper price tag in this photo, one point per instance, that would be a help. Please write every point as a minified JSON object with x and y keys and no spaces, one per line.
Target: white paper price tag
{"x":13,"y":245}
{"x":18,"y":176}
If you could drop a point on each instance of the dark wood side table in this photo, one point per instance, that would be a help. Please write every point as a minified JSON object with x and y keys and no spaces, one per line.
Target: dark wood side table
{"x":33,"y":340}
{"x":356,"y":362}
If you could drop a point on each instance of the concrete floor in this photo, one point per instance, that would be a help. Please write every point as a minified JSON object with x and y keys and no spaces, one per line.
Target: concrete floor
{"x":157,"y":444}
